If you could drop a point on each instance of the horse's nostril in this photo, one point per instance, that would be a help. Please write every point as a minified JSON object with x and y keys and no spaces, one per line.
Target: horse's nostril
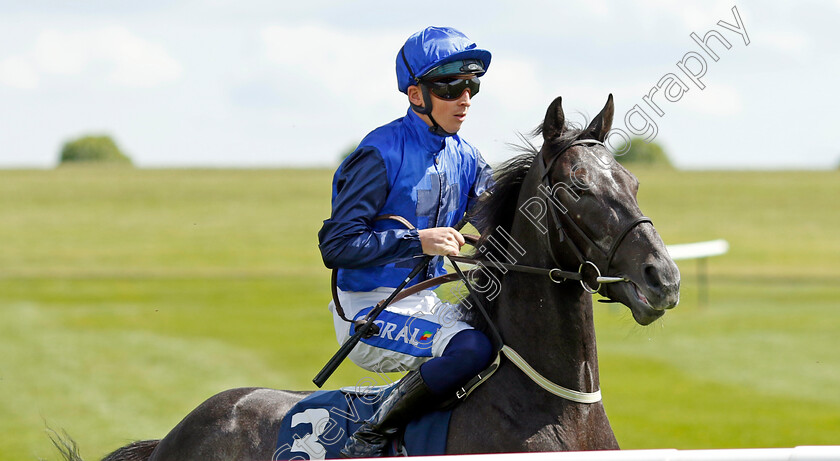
{"x":652,"y":277}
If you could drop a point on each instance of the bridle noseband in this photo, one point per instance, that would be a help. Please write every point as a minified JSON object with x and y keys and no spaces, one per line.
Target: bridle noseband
{"x":589,"y":271}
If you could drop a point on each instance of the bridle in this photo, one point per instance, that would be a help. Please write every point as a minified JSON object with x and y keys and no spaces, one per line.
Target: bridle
{"x":589,"y":273}
{"x":588,"y":270}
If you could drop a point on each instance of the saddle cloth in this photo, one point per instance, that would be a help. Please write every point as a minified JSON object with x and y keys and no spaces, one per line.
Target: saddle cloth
{"x":318,"y":426}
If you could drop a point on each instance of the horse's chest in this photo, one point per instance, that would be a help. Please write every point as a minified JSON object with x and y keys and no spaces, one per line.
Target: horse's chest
{"x":507,"y":425}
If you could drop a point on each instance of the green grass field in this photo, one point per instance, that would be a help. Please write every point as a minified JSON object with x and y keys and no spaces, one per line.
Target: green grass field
{"x":129,"y":296}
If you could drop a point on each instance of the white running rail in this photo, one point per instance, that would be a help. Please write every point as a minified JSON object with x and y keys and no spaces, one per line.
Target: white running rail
{"x":698,"y":250}
{"x":803,"y":453}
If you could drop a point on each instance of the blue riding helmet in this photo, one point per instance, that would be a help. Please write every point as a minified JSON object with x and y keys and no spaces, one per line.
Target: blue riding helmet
{"x":434,"y":47}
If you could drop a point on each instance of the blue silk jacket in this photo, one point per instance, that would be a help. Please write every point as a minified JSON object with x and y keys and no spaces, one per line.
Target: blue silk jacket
{"x":400,"y":168}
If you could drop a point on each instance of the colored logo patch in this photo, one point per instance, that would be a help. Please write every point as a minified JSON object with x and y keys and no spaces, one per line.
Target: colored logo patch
{"x":401,"y":333}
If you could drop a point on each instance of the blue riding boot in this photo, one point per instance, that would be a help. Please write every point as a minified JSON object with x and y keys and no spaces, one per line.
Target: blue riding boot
{"x":409,"y":399}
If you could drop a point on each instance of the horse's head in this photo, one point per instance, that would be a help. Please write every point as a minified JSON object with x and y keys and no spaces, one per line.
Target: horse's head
{"x":601,"y":219}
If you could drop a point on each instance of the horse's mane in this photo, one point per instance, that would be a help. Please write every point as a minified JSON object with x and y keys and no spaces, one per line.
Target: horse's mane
{"x":497,"y":207}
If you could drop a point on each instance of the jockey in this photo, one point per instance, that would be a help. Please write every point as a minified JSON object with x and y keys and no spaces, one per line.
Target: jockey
{"x":416,"y":167}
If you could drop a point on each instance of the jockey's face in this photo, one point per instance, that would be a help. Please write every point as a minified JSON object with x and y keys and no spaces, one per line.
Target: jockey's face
{"x":448,"y":113}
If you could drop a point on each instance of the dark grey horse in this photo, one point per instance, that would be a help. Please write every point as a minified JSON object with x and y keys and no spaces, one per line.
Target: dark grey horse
{"x":595,"y":217}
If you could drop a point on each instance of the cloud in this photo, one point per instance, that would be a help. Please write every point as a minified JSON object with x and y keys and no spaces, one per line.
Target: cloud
{"x":112,"y":53}
{"x":515,"y":82}
{"x":717,"y":99}
{"x":693,"y":16}
{"x":17,"y":72}
{"x":345,"y":64}
{"x":789,"y":42}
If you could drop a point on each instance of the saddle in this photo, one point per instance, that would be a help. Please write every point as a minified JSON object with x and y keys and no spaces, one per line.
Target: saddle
{"x":318,"y":426}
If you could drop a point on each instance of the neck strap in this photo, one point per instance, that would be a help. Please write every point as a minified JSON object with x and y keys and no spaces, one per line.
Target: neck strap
{"x":545,"y":383}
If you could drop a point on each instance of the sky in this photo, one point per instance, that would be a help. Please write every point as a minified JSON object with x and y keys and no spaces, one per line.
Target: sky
{"x":265,"y":83}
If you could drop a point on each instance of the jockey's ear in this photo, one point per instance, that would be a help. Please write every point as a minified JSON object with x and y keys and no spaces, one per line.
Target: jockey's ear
{"x":555,"y":120}
{"x":415,"y":95}
{"x":602,"y":122}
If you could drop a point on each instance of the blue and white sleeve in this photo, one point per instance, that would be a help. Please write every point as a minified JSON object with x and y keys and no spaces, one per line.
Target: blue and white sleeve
{"x":347,"y":239}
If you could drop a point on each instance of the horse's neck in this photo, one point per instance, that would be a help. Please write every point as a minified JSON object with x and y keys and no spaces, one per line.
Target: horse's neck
{"x":551,"y":325}
{"x":553,"y":330}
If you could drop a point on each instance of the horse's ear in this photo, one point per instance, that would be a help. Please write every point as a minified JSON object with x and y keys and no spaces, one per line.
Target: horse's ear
{"x":555,"y":120}
{"x":602,"y":122}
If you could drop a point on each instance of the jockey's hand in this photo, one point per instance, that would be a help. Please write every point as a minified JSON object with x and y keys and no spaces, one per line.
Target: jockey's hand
{"x":441,"y":241}
{"x":373,"y":331}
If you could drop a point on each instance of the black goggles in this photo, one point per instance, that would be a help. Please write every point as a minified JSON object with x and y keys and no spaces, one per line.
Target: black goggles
{"x":453,"y":88}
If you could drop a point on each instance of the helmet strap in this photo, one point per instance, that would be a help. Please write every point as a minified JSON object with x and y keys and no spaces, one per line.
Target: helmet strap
{"x":426,"y":109}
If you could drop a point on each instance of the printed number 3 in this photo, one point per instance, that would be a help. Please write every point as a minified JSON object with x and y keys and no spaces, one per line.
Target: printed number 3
{"x":319,"y":419}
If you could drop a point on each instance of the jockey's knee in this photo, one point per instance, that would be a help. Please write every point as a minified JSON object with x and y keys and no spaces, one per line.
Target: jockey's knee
{"x":472,"y":348}
{"x":467,"y":353}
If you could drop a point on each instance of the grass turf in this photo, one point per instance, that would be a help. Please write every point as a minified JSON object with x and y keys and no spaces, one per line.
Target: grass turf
{"x":129,"y":296}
